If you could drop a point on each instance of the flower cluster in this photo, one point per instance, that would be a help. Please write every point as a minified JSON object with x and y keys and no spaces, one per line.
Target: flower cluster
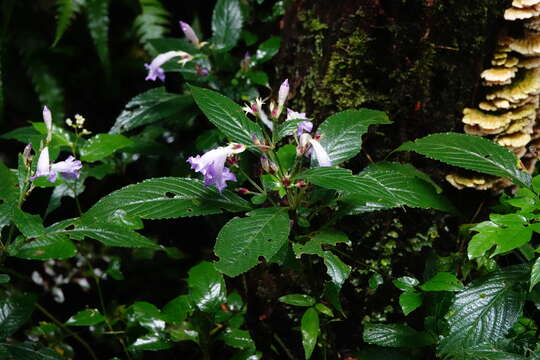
{"x":69,"y":168}
{"x":212,"y":163}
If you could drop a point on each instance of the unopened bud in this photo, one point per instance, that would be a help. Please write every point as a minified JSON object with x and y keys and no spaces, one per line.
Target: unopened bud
{"x":265,"y":163}
{"x":26,"y":154}
{"x":243,"y":191}
{"x":300,"y":184}
{"x":273,"y":168}
{"x":286,"y":181}
{"x":256,"y":140}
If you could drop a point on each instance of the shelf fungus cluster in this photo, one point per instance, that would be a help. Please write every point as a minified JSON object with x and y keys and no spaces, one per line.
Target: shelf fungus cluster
{"x":509,"y":112}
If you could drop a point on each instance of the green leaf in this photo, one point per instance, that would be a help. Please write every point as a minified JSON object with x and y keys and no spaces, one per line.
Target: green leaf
{"x":484,"y":311}
{"x":443,"y":281}
{"x":149,"y":107}
{"x":6,"y":212}
{"x":27,"y":351}
{"x":98,"y":25}
{"x":168,"y":197}
{"x":152,"y":23}
{"x":535,"y":274}
{"x":44,"y":247}
{"x":489,"y":352}
{"x":375,"y":280}
{"x":148,"y":316}
{"x":395,"y":335}
{"x":65,"y":13}
{"x":226,"y":115}
{"x":226,"y":24}
{"x":8,"y":191}
{"x":410,"y":301}
{"x":341,"y":134}
{"x":4,"y":278}
{"x":15,"y":311}
{"x":206,"y":287}
{"x":86,"y":317}
{"x":267,"y":49}
{"x":102,"y":145}
{"x":28,"y":224}
{"x":491,"y":234}
{"x":111,"y":235}
{"x":336,"y":269}
{"x":406,"y":283}
{"x":25,"y":135}
{"x":287,"y":128}
{"x":298,"y":300}
{"x":264,"y":232}
{"x":239,"y":339}
{"x":375,"y":189}
{"x":472,"y":153}
{"x":177,"y":310}
{"x":310,"y":331}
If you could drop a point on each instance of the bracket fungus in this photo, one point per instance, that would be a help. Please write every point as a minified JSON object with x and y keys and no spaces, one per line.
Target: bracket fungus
{"x":509,"y":112}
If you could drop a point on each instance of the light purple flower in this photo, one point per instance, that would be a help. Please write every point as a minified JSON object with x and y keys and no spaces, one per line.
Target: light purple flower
{"x":212,"y":165}
{"x":69,"y":168}
{"x":189,"y":33}
{"x":293,"y":115}
{"x":283,"y":94}
{"x":47,"y":119}
{"x":304,"y":126}
{"x":154,"y":68}
{"x":316,"y":149}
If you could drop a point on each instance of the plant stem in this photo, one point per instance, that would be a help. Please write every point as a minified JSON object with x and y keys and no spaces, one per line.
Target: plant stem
{"x":284,"y":347}
{"x":68,"y":330}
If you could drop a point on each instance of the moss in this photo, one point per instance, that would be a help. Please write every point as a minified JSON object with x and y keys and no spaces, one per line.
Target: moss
{"x":310,"y":22}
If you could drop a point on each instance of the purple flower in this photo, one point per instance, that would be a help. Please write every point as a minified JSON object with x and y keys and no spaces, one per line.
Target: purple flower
{"x":47,"y":119}
{"x":212,"y":165}
{"x":283,"y":93}
{"x":306,"y":126}
{"x":316,"y":149}
{"x":189,"y":33}
{"x":154,"y":68}
{"x":293,"y":115}
{"x":69,"y":168}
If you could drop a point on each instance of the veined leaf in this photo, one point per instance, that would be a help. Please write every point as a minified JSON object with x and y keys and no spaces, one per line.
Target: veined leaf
{"x":206,"y":287}
{"x":535,"y":274}
{"x":65,"y":14}
{"x":341,"y":134}
{"x":46,"y":246}
{"x":168,"y":197}
{"x":375,"y":189}
{"x":98,"y":24}
{"x":298,"y":300}
{"x":268,"y":49}
{"x":396,"y":335}
{"x":484,"y":312}
{"x":310,"y":331}
{"x":442,"y":281}
{"x":472,"y":153}
{"x":111,"y":235}
{"x":149,"y":107}
{"x":264,"y":232}
{"x":15,"y":311}
{"x":336,"y":269}
{"x":86,"y":318}
{"x":226,"y":115}
{"x":8,"y":190}
{"x":102,"y":145}
{"x":226,"y":24}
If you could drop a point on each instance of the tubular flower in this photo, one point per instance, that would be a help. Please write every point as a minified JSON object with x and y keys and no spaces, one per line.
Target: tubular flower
{"x":190,"y":34}
{"x":69,"y":168}
{"x":261,"y":114}
{"x":282,"y":95}
{"x":304,"y":126}
{"x":47,"y":119}
{"x":316,"y":149}
{"x":154,"y":68}
{"x":293,"y":115}
{"x":212,"y":165}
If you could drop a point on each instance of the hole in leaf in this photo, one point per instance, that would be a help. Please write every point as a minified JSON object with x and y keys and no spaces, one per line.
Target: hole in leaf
{"x":487,"y":156}
{"x":189,"y":209}
{"x":261,"y":258}
{"x":269,"y":240}
{"x":71,"y":227}
{"x":170,"y":195}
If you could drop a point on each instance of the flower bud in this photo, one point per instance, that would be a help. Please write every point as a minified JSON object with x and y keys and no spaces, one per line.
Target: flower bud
{"x":189,"y":33}
{"x":265,"y":163}
{"x":47,"y":119}
{"x":243,"y":191}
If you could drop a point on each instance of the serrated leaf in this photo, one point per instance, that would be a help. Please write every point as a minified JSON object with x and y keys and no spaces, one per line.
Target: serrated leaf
{"x":264,"y":232}
{"x":226,"y":115}
{"x":298,"y":300}
{"x":102,"y":145}
{"x":472,"y":153}
{"x":375,"y":189}
{"x":111,"y":235}
{"x":44,"y":247}
{"x":65,"y":13}
{"x":489,"y":352}
{"x":149,"y":107}
{"x":8,"y":190}
{"x":226,"y":24}
{"x":98,"y":25}
{"x":310,"y":331}
{"x":410,"y":301}
{"x":86,"y":317}
{"x":505,"y":238}
{"x":206,"y":287}
{"x":15,"y":311}
{"x":341,"y":134}
{"x":395,"y":335}
{"x":442,"y":281}
{"x":29,"y":225}
{"x":535,"y":274}
{"x":168,"y":197}
{"x":267,"y":49}
{"x":484,"y":311}
{"x":287,"y":128}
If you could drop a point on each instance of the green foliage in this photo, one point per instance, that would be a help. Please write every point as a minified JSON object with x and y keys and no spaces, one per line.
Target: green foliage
{"x":396,"y":335}
{"x":226,"y":24}
{"x":86,"y":318}
{"x":264,"y":233}
{"x":310,"y":331}
{"x":15,"y":311}
{"x":66,"y":10}
{"x":98,"y":25}
{"x":102,"y":145}
{"x":472,"y":153}
{"x":152,"y":22}
{"x":207,"y":287}
{"x":341,"y":134}
{"x":298,"y":300}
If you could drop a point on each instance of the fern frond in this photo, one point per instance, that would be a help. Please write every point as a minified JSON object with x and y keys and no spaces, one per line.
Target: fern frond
{"x":97,"y":12}
{"x":65,"y":13}
{"x":152,"y":22}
